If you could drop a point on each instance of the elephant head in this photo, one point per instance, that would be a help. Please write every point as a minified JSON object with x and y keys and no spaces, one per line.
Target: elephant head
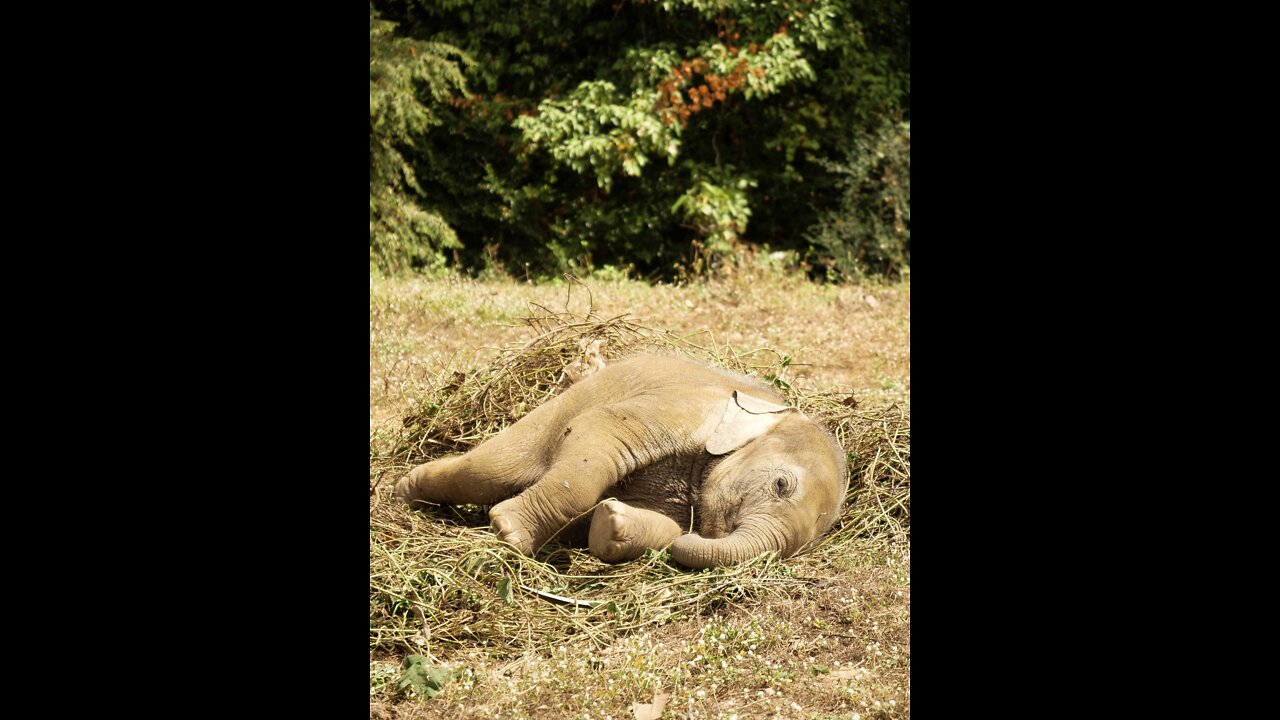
{"x":780,"y":483}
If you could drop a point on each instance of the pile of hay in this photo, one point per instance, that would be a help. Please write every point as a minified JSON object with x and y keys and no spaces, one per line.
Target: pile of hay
{"x":440,"y":582}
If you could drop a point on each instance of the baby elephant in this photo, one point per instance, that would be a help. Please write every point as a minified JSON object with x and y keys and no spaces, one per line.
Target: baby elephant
{"x":707,"y":462}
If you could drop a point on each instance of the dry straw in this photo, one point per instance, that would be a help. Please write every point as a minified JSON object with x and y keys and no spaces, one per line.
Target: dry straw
{"x":440,"y":582}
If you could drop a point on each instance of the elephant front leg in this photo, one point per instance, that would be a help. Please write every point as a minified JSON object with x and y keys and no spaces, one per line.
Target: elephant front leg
{"x":596,"y":450}
{"x":620,"y":532}
{"x":567,"y":493}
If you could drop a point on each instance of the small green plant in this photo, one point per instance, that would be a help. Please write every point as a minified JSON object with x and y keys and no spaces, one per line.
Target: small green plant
{"x":776,"y":378}
{"x":421,"y":679}
{"x":380,"y":674}
{"x":612,"y":273}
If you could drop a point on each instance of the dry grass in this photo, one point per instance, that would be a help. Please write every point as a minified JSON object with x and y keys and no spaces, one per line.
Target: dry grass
{"x":856,"y":338}
{"x":720,"y":642}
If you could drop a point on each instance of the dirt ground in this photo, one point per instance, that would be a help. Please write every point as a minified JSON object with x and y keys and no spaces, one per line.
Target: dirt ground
{"x":840,"y":650}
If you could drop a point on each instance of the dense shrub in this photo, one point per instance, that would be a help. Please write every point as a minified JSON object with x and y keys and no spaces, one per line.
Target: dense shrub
{"x":868,"y":231}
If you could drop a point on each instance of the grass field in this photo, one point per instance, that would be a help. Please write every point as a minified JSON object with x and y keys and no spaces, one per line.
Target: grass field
{"x":824,"y":634}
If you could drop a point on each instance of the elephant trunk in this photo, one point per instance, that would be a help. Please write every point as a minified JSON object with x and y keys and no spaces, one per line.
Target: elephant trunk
{"x":746,"y":542}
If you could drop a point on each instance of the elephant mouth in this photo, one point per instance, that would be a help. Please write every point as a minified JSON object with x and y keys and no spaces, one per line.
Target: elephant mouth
{"x":720,"y":524}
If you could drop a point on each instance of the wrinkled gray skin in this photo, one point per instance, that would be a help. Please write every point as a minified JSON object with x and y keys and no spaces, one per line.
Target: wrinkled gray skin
{"x":661,"y":451}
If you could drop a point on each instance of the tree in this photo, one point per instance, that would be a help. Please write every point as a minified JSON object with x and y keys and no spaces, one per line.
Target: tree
{"x":401,"y":71}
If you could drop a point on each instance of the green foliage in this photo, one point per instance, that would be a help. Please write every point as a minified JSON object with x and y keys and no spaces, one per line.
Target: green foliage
{"x":667,"y":135}
{"x":869,"y":229}
{"x":593,"y":131}
{"x":717,"y":207}
{"x":401,"y":73}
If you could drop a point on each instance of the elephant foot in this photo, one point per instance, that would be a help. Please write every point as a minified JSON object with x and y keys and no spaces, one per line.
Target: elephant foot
{"x":505,"y":523}
{"x":612,"y":537}
{"x":620,"y":532}
{"x":406,"y":490}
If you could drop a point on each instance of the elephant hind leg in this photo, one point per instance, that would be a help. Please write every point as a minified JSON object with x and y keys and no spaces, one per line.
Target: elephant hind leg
{"x":484,"y":476}
{"x":620,"y":532}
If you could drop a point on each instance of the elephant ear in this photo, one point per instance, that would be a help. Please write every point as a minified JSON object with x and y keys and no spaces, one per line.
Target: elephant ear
{"x":745,"y":419}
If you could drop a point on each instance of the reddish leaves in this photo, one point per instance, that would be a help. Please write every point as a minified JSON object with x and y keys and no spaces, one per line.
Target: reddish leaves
{"x":714,"y":88}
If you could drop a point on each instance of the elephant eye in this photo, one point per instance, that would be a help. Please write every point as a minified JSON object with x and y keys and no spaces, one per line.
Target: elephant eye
{"x":783,"y":486}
